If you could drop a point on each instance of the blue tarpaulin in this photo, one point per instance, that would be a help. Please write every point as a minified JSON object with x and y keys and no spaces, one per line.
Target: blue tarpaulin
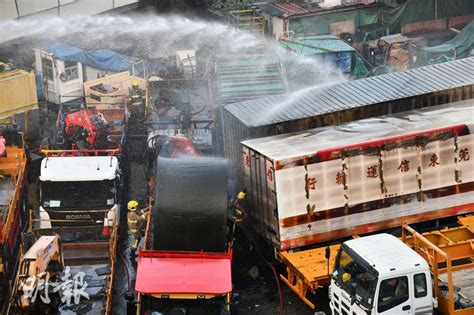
{"x":104,"y":59}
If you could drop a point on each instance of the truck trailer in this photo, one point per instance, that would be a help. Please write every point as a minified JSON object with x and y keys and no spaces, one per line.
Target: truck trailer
{"x":319,"y":186}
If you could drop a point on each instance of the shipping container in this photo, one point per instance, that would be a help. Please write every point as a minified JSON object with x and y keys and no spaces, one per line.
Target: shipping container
{"x":329,"y":183}
{"x":17,"y":92}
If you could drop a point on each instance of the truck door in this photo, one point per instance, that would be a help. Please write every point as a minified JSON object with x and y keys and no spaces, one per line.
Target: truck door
{"x":394,"y":297}
{"x":422,"y":293}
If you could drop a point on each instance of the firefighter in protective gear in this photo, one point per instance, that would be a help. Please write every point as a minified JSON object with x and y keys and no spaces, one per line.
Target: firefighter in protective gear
{"x":240,"y":206}
{"x":136,"y":221}
{"x":136,"y":121}
{"x":136,"y":100}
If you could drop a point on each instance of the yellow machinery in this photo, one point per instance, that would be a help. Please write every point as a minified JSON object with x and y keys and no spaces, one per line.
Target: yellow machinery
{"x":449,"y":252}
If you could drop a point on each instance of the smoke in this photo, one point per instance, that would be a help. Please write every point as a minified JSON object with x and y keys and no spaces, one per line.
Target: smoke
{"x":151,"y":37}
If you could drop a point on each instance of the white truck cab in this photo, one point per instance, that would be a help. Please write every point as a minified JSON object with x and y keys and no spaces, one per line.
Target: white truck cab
{"x":380,"y":274}
{"x":78,"y":190}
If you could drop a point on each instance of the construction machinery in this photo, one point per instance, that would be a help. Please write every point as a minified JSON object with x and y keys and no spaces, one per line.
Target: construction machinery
{"x":37,"y":277}
{"x":380,"y":274}
{"x":12,"y":214}
{"x":86,"y":127}
{"x":83,"y":127}
{"x":311,"y":189}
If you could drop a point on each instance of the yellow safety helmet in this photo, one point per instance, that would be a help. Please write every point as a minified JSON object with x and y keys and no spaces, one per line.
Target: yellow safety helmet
{"x":241,"y":195}
{"x":135,"y":83}
{"x":132,"y":205}
{"x":346,"y":277}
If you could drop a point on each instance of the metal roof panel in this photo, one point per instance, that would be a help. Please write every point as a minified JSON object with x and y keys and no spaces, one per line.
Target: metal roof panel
{"x":362,"y":92}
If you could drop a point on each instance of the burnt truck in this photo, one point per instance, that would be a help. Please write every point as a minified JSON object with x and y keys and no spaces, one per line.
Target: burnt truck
{"x":317,"y":187}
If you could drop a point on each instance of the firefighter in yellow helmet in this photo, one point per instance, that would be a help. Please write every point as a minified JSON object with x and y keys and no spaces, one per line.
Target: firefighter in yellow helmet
{"x":240,"y":206}
{"x":137,"y":95}
{"x":136,"y":102}
{"x":136,"y":220}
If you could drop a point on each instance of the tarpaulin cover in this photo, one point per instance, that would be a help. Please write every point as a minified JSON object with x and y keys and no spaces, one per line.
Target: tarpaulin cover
{"x":414,"y":11}
{"x":104,"y":59}
{"x":316,"y":44}
{"x":360,"y":70}
{"x":326,"y":48}
{"x":190,"y":204}
{"x":319,"y":24}
{"x":169,"y":273}
{"x":458,"y":47}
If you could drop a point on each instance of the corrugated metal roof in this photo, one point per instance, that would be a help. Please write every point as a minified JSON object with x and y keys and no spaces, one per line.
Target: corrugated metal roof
{"x":341,"y":96}
{"x":242,"y":78}
{"x":290,"y":8}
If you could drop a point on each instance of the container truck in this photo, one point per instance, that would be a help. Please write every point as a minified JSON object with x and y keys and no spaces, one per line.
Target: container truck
{"x":322,"y":185}
{"x":417,"y":274}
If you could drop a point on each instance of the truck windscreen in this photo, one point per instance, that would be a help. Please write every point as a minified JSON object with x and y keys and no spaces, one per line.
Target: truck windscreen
{"x":78,"y":195}
{"x":355,"y":278}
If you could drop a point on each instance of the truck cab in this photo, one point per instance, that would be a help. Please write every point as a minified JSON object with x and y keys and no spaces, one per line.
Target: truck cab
{"x":380,"y":274}
{"x":78,"y":190}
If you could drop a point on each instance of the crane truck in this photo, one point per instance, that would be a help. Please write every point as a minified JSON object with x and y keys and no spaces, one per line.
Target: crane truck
{"x":309,"y":190}
{"x":80,"y":186}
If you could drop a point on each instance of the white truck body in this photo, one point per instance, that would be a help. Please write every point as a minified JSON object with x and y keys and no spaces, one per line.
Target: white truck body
{"x":392,"y":265}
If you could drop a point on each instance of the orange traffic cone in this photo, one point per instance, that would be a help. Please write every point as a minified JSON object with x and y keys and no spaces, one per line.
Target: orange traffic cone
{"x":106,"y":228}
